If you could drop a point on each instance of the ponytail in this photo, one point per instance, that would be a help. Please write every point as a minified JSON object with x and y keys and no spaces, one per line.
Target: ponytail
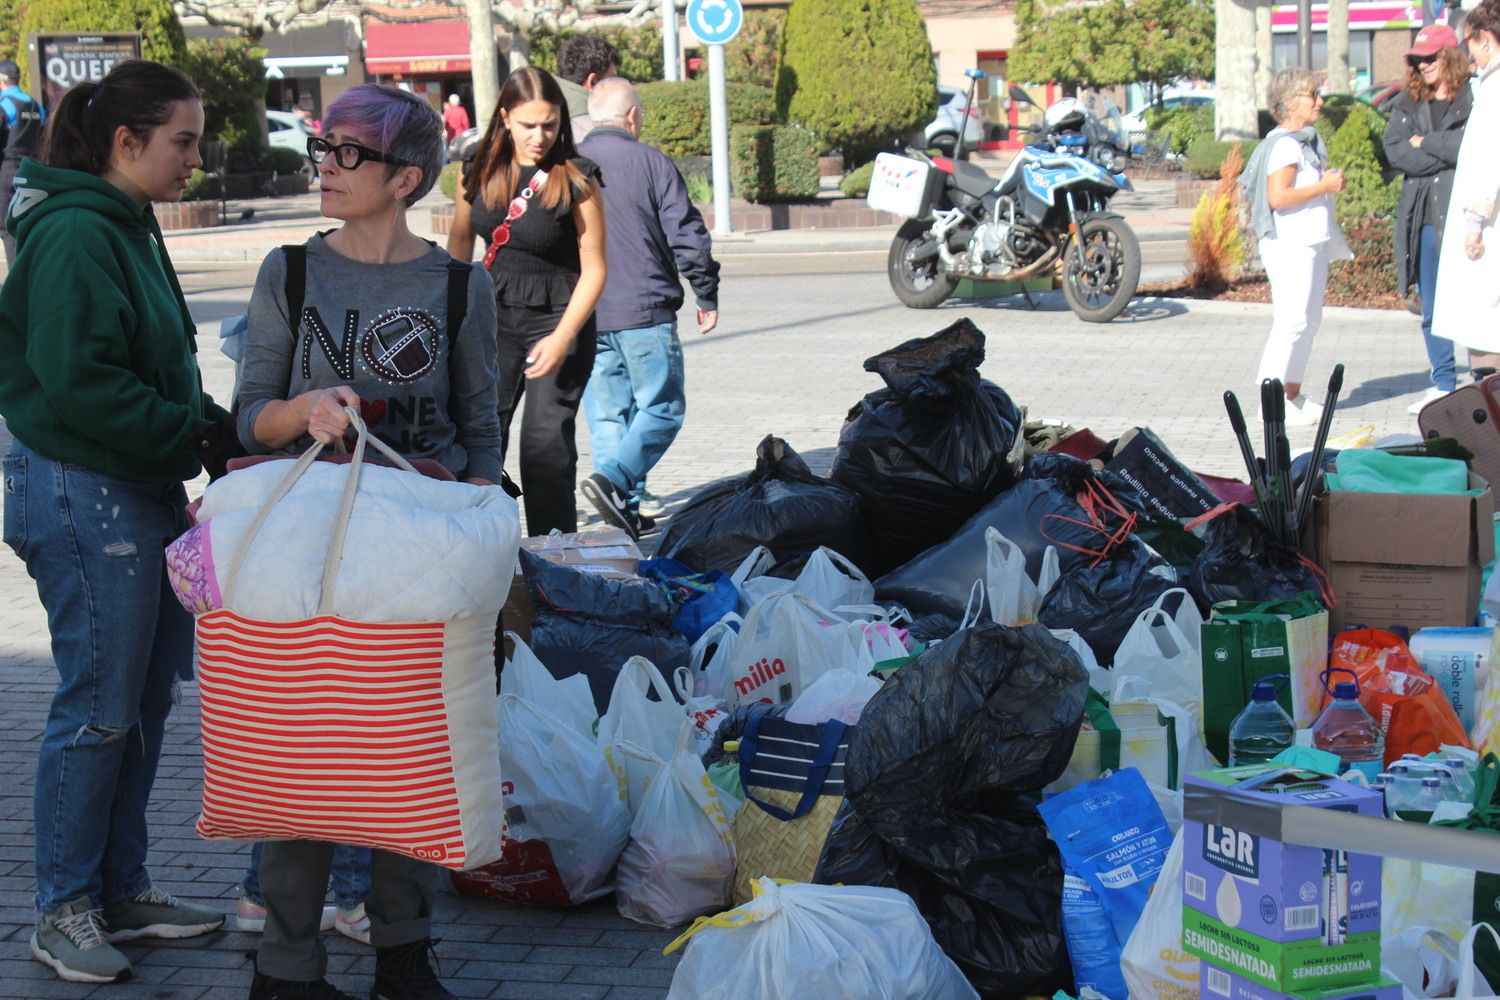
{"x":136,"y":93}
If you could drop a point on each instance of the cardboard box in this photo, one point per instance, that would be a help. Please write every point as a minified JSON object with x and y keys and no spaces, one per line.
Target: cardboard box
{"x":1401,"y":559}
{"x":1286,"y":917}
{"x":607,"y":552}
{"x":1216,"y":982}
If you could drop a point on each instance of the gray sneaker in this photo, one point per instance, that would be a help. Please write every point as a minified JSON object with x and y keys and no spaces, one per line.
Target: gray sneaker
{"x":71,"y":943}
{"x":158,"y":914}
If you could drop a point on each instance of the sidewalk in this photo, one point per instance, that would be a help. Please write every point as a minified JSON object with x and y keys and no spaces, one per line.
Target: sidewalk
{"x":1150,"y":209}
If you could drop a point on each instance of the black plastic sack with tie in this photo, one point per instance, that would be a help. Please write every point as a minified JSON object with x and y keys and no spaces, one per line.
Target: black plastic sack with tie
{"x":931,"y":448}
{"x":941,"y":783}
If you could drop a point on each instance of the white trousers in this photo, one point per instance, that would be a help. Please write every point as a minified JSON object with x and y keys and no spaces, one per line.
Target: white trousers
{"x":1299,"y":276}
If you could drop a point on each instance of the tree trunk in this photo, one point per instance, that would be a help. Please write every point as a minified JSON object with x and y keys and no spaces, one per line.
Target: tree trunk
{"x":1338,"y":46}
{"x":482,"y":57}
{"x":1263,"y":57}
{"x":520,"y":50}
{"x":1234,"y":72}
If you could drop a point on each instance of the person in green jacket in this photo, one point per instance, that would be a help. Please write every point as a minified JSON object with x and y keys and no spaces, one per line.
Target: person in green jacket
{"x":102,"y":393}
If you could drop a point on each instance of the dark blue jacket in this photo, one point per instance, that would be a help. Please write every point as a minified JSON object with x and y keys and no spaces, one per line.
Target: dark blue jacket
{"x":653,"y":234}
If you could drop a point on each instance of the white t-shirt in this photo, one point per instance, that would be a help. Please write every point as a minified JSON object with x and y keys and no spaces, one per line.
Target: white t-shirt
{"x":1311,"y":222}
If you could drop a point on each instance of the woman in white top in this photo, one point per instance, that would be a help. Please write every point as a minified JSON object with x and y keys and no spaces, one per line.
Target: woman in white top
{"x":1299,"y":189}
{"x":1467,"y":305}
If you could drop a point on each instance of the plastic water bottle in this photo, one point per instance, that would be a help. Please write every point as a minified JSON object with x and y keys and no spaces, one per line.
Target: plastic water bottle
{"x":1385,"y":783}
{"x":1463,"y":780}
{"x":1346,"y":729}
{"x":1263,"y":729}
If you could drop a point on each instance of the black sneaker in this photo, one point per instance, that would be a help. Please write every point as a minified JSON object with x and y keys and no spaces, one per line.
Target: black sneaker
{"x":611,"y":504}
{"x":402,"y":973}
{"x":264,"y":987}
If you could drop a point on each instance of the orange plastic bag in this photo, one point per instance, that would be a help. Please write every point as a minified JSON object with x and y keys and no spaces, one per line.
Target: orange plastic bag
{"x":1415,"y":714}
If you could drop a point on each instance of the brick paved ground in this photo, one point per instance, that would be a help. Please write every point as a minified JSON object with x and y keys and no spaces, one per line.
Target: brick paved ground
{"x":787,"y":360}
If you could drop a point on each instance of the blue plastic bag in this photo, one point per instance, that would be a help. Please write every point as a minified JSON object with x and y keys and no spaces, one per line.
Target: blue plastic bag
{"x":1112,"y":835}
{"x":702,"y":598}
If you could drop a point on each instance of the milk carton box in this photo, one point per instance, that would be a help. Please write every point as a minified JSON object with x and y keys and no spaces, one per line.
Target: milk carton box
{"x":1286,"y":917}
{"x":1215,"y":983}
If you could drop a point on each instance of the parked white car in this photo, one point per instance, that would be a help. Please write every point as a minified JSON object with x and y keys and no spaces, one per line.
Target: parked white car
{"x":1135,"y":122}
{"x":942,"y":132}
{"x":291,"y":131}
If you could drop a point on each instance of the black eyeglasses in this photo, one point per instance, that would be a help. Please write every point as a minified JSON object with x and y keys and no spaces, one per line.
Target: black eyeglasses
{"x":348,"y":155}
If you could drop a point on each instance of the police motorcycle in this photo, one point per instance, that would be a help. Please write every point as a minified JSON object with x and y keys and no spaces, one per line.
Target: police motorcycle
{"x":1051,"y":205}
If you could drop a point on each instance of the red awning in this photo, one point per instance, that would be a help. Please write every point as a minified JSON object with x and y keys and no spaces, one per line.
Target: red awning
{"x":416,"y":47}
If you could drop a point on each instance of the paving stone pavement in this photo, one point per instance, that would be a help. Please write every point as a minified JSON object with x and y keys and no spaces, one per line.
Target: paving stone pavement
{"x":787,"y":360}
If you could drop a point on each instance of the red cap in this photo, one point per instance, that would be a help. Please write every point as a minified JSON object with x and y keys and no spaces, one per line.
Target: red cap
{"x":1433,"y":39}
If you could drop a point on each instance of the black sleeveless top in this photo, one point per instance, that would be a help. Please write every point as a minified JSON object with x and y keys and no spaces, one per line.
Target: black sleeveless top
{"x":539,"y":266}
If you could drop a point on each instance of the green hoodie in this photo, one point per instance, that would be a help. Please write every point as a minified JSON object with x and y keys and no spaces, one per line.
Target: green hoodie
{"x":95,"y":334}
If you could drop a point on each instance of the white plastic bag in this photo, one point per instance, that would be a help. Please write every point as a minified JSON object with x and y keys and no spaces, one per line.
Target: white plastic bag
{"x":711,"y":658}
{"x":785,"y":644}
{"x":1471,"y":983}
{"x":633,"y":718}
{"x":1164,"y":649}
{"x":679,"y":862}
{"x":1153,"y":962}
{"x":569,"y":699}
{"x":802,"y":940}
{"x":1014,"y":596}
{"x":831,"y":580}
{"x":562,"y":805}
{"x":1425,"y":959}
{"x":1421,"y":894}
{"x":751,"y":582}
{"x":705,"y":714}
{"x":838,"y":694}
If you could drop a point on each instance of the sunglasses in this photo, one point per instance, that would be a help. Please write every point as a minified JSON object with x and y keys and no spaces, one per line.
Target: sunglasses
{"x":1416,"y":61}
{"x":348,"y":155}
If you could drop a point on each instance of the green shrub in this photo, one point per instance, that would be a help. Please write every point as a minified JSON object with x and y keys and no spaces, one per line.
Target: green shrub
{"x":640,"y":49}
{"x":161,"y":33}
{"x":773,"y":162}
{"x":750,"y":57}
{"x":1206,"y":155}
{"x":858,"y":74}
{"x":1354,"y":146}
{"x":195,"y":186}
{"x":676,"y":114}
{"x":1372,"y":272}
{"x":231,"y":77}
{"x":11,"y":42}
{"x":448,"y":179}
{"x":1184,"y":125}
{"x":856,"y":183}
{"x":700,"y":188}
{"x":281,"y":160}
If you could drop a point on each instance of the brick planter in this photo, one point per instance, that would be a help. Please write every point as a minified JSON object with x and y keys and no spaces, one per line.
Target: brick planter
{"x":831,"y":166}
{"x":186,"y":214}
{"x":836,"y":213}
{"x":289,"y":184}
{"x":1190,"y":189}
{"x":442,"y":219}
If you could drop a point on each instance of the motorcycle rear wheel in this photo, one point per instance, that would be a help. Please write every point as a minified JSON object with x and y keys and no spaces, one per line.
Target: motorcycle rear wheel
{"x":918,"y":284}
{"x":1103,"y":285}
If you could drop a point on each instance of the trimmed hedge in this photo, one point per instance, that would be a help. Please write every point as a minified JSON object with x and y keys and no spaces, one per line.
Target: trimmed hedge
{"x":1372,"y":272}
{"x":1185,"y":125}
{"x":856,"y":183}
{"x":773,"y":162}
{"x":1206,"y":155}
{"x":448,"y":179}
{"x":677,"y":121}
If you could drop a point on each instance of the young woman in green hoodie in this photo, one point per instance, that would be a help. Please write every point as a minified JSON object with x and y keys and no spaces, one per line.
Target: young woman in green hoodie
{"x":102,"y":393}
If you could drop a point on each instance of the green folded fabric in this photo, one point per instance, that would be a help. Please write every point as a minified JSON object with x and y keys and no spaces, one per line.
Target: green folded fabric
{"x":1371,"y":470}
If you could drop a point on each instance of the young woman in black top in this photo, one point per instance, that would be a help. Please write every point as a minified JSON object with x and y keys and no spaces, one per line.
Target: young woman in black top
{"x":546,"y":256}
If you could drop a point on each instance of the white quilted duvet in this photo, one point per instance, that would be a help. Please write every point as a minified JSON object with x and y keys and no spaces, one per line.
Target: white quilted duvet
{"x":417,"y":549}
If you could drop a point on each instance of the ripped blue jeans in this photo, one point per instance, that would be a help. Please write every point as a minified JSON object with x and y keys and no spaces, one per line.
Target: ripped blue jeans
{"x":94,"y":545}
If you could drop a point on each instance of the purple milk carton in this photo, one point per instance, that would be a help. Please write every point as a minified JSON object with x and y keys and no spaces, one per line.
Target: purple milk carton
{"x":1286,"y":917}
{"x":1214,"y":982}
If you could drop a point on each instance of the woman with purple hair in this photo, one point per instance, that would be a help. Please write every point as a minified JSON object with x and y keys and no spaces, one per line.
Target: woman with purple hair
{"x":369,"y":315}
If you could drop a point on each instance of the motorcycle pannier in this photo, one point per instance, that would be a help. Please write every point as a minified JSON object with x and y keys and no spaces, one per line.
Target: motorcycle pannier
{"x":903,"y":186}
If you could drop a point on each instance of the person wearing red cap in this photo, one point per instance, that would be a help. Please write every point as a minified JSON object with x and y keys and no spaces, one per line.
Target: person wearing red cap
{"x":1467,"y":306}
{"x":1421,"y":140}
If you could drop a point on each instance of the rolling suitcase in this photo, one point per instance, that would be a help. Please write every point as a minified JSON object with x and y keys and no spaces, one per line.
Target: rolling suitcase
{"x":1471,"y":415}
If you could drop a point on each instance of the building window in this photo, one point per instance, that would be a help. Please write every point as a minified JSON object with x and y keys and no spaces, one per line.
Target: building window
{"x":1361,"y":54}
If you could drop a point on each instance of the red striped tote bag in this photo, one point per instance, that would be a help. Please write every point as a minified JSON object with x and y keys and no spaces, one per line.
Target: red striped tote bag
{"x":373,"y":734}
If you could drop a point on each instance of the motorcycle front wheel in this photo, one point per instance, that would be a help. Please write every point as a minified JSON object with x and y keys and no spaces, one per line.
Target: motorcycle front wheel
{"x":1100,"y":286}
{"x":918,"y":284}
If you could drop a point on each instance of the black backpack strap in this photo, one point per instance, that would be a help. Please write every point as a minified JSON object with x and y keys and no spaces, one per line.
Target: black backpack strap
{"x":296,"y":283}
{"x":458,"y":297}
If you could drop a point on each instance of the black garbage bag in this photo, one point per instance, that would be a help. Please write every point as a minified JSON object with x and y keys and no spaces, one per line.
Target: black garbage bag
{"x":589,"y":624}
{"x":931,"y":448}
{"x":1042,"y":509}
{"x":781,"y":505}
{"x":1101,"y":602}
{"x":1241,"y":562}
{"x":940,"y":782}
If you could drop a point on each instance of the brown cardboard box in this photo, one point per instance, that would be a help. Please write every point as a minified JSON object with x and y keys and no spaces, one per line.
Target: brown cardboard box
{"x":606,"y":551}
{"x":1401,"y":559}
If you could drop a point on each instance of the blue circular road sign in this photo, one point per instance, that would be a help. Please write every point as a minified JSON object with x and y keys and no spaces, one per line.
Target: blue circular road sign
{"x":715,"y":21}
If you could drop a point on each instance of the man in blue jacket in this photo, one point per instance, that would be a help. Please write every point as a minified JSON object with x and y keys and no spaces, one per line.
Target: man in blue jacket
{"x":635,"y":398}
{"x":24,"y":118}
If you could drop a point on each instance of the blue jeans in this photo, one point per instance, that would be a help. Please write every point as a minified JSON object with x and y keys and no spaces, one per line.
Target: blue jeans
{"x":1439,"y":349}
{"x":635,"y":402}
{"x":94,"y":545}
{"x":350,"y":875}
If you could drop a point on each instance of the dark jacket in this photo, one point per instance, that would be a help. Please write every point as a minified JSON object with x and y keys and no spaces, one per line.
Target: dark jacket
{"x":653,"y":233}
{"x":1429,"y":168}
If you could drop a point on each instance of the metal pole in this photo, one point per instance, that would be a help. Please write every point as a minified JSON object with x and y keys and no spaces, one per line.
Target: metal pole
{"x":718,"y":109}
{"x":1304,"y":34}
{"x":671,"y":49}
